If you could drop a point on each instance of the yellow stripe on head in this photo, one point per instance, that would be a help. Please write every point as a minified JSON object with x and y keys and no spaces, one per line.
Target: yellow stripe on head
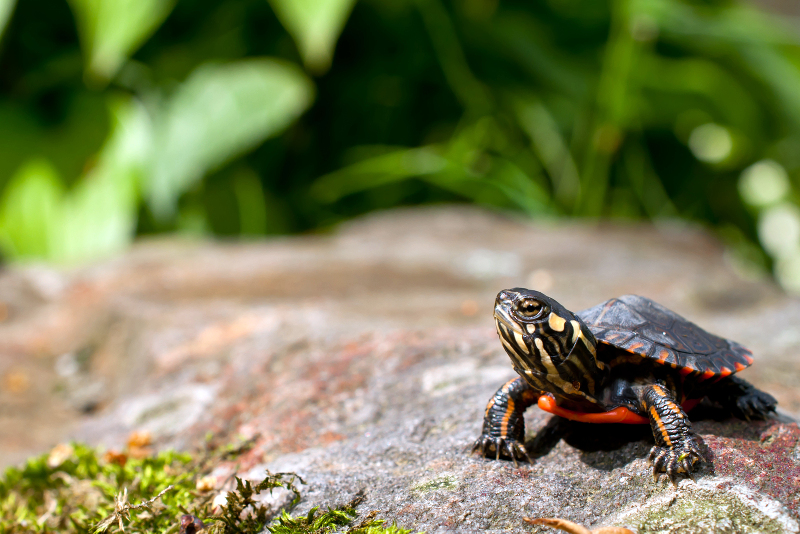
{"x":556,"y":322}
{"x":521,"y":342}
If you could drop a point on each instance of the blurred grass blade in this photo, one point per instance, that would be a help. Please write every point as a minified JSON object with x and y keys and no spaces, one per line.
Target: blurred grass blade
{"x":781,"y":73}
{"x":111,"y":30}
{"x":30,"y":211}
{"x":520,"y":189}
{"x":6,"y":8}
{"x":315,"y":26}
{"x":734,"y":23}
{"x":699,"y":77}
{"x":467,"y":88}
{"x":521,"y":35}
{"x":614,"y":92}
{"x":220,"y":112}
{"x":551,"y":148}
{"x":645,"y":183}
{"x":758,"y":40}
{"x":504,"y":185}
{"x":386,"y":168}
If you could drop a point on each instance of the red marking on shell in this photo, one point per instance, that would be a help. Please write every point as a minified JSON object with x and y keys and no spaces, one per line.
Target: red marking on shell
{"x":635,"y":346}
{"x":685,"y":371}
{"x":748,"y":358}
{"x":738,"y":366}
{"x":707,"y":374}
{"x":725,"y":371}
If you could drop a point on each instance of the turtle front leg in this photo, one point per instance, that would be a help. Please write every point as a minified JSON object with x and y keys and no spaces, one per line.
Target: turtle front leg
{"x":504,"y":423}
{"x":676,"y":450}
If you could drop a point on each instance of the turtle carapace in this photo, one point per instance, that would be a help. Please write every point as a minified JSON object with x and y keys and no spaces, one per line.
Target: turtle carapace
{"x":627,"y":360}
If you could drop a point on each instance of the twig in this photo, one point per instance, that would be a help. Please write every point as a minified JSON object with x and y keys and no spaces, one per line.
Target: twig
{"x":122,"y":510}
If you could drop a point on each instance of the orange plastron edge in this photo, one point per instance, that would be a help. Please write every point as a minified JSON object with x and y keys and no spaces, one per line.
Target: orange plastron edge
{"x":617,"y":415}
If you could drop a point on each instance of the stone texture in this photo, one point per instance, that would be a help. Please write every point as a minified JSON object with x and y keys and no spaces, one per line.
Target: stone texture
{"x":364,"y":358}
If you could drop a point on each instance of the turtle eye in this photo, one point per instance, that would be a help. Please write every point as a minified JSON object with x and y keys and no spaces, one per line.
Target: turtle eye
{"x":529,"y":308}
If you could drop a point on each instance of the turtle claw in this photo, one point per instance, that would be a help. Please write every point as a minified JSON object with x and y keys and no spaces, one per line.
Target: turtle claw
{"x":674,"y":460}
{"x":656,"y":459}
{"x":482,"y":445}
{"x":501,"y":445}
{"x":686,"y":467}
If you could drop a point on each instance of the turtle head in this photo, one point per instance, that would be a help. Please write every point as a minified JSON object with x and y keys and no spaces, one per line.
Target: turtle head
{"x":551,"y":348}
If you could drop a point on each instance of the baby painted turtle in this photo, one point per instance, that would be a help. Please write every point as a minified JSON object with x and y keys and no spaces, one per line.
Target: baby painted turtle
{"x":627,"y":360}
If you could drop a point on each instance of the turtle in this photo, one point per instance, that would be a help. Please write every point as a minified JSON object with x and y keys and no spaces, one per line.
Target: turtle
{"x":626,"y":360}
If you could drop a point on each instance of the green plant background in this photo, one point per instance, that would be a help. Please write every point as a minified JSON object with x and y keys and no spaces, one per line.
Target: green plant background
{"x":249,"y":117}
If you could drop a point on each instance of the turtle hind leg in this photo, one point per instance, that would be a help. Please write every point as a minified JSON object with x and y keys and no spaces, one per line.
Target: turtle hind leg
{"x":676,"y":449}
{"x":504,"y":422}
{"x":742,"y":399}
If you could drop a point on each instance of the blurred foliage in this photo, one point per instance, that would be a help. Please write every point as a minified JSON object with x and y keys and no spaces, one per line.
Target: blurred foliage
{"x":236,"y":117}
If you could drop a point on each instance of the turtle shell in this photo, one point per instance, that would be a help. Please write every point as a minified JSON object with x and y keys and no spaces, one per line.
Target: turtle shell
{"x":642,"y":327}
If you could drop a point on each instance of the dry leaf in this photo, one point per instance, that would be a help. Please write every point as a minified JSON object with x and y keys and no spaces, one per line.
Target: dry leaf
{"x":59,"y":454}
{"x":574,"y":528}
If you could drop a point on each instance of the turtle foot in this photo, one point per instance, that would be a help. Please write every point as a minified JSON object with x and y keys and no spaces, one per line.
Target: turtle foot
{"x":680,"y":458}
{"x":498,"y":446}
{"x":754,"y":404}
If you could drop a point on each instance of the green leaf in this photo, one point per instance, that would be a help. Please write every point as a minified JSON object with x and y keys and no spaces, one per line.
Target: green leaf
{"x":252,"y":206}
{"x":220,"y":112}
{"x":111,"y":30}
{"x":30,"y":210}
{"x":6,"y":8}
{"x":315,"y":26}
{"x":99,"y":216}
{"x":38,"y":219}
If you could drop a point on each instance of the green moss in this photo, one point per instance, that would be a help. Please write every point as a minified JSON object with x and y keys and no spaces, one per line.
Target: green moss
{"x":445,"y":482}
{"x":331,"y":520}
{"x":699,"y":511}
{"x":78,"y":489}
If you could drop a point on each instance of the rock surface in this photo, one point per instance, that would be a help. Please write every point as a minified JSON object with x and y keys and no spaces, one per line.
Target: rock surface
{"x":364,"y":358}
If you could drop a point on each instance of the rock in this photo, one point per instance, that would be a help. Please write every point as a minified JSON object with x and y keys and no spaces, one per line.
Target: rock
{"x":364,"y":359}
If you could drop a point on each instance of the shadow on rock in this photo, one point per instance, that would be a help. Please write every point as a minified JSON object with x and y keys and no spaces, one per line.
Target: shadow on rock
{"x":603,"y":446}
{"x":710,"y":418}
{"x":548,"y":436}
{"x":608,"y":447}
